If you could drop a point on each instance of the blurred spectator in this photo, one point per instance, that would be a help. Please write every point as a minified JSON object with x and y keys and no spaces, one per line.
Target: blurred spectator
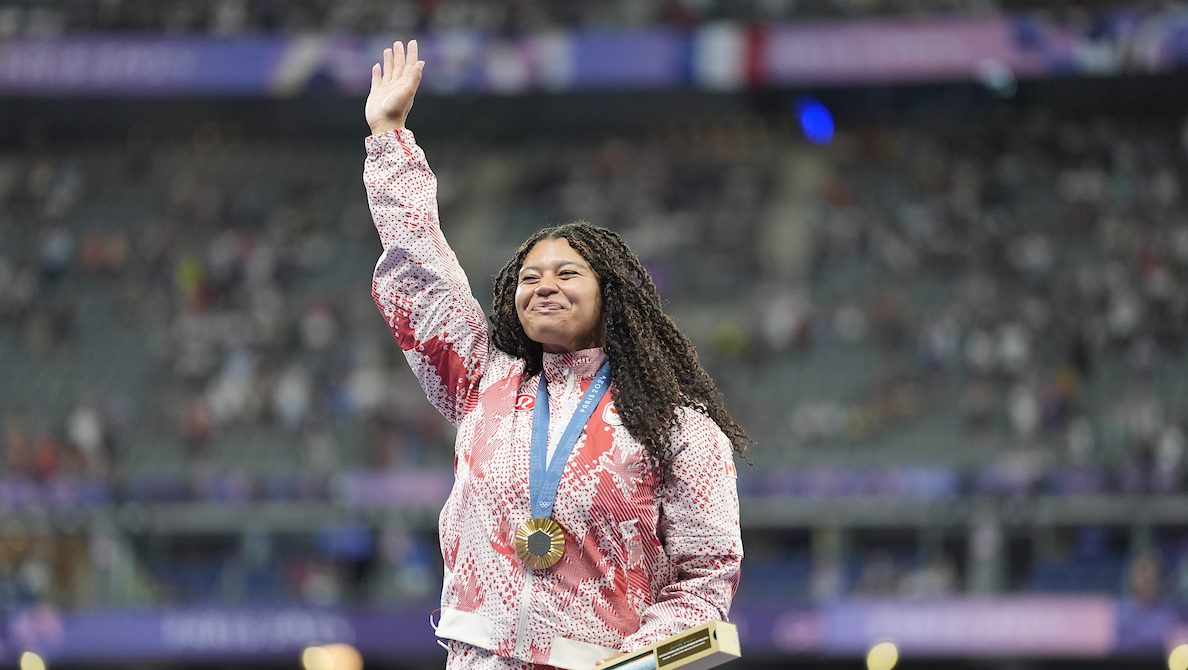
{"x":1144,"y":614}
{"x":880,"y":575}
{"x":937,"y":577}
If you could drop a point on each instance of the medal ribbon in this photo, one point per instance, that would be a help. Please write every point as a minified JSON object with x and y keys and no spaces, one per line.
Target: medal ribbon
{"x":543,"y":481}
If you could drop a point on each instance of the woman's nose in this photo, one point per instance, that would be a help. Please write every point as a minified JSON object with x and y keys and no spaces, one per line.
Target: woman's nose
{"x":545,"y":288}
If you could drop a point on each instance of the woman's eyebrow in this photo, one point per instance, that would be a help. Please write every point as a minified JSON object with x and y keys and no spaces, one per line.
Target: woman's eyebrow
{"x":559,"y":264}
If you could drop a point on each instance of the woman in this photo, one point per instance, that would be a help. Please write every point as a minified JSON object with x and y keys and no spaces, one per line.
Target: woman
{"x":594,"y":508}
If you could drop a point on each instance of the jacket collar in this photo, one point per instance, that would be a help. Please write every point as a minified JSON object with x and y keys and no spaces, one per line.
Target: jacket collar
{"x":583,"y":364}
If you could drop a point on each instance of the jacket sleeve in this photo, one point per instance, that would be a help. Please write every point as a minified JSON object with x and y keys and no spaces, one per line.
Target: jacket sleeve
{"x":699,"y":529}
{"x":418,"y":285}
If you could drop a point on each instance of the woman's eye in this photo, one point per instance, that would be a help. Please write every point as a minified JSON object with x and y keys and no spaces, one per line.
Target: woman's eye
{"x":527,"y":278}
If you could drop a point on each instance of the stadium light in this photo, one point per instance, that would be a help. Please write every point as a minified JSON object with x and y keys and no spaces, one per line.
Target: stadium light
{"x":331,"y":657}
{"x":816,"y":122}
{"x":345,"y":657}
{"x":1178,"y":658}
{"x":31,"y":661}
{"x":882,"y":656}
{"x":317,"y":658}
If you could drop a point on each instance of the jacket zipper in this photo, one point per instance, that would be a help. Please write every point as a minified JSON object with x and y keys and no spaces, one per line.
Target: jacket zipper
{"x":522,"y":622}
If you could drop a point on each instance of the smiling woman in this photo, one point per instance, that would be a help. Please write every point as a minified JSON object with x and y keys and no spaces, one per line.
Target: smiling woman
{"x":565,"y":542}
{"x":558,"y":298}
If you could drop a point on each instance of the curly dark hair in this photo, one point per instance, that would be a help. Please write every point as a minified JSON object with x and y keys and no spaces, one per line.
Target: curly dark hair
{"x":656,"y":369}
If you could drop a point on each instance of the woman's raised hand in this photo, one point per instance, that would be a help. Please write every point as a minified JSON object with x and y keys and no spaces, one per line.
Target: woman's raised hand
{"x":393,"y":86}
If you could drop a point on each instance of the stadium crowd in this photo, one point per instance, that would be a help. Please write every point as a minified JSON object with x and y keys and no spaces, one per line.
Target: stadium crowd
{"x":189,"y":318}
{"x":239,"y":17}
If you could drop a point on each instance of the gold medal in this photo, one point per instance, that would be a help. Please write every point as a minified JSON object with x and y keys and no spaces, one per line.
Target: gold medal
{"x":540,"y":542}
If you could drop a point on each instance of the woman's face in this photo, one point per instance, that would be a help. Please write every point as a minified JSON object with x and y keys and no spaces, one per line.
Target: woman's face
{"x":558,"y":298}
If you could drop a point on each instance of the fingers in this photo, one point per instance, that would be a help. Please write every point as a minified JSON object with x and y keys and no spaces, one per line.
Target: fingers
{"x":397,"y":59}
{"x":377,"y":75}
{"x":412,"y":53}
{"x":397,"y":64}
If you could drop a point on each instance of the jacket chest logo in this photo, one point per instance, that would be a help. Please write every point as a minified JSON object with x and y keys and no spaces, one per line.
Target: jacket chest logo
{"x":610,"y":415}
{"x":525,"y":401}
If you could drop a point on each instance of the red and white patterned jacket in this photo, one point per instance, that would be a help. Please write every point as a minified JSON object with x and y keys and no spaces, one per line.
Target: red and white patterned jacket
{"x":645,"y":555}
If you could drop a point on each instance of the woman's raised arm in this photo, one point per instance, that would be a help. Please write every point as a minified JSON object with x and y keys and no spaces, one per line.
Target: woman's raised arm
{"x":418,"y":284}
